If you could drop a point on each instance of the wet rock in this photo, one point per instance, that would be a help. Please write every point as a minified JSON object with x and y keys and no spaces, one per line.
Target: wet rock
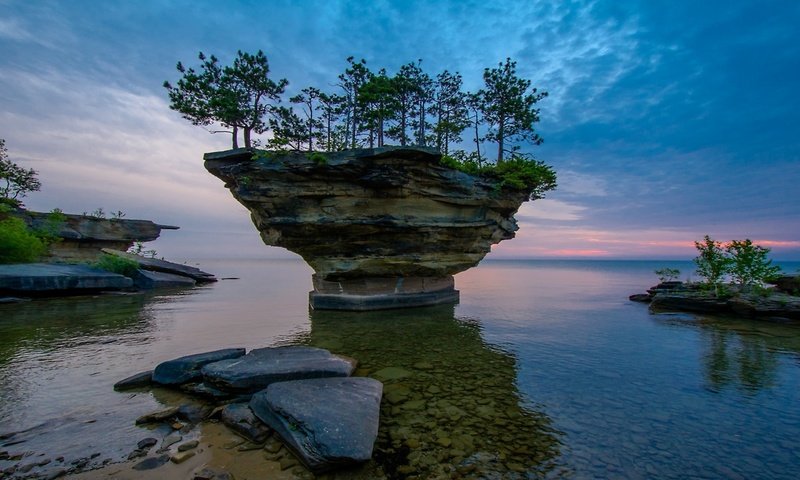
{"x":188,"y":445}
{"x":148,"y":280}
{"x":48,"y":277}
{"x":181,"y":457}
{"x":171,"y":439}
{"x":263,"y":366}
{"x":146,"y":443}
{"x":185,"y":369}
{"x":158,"y":416}
{"x":327,"y":422}
{"x":202,"y":389}
{"x":193,"y":413}
{"x":151,"y":462}
{"x":54,"y":473}
{"x":139,"y":380}
{"x":208,"y":473}
{"x":641,"y":297}
{"x":241,"y":419}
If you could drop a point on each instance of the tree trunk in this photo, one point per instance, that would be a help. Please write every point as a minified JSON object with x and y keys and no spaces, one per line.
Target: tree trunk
{"x":500,"y":141}
{"x":247,"y":137}
{"x":477,"y":138}
{"x":235,"y":137}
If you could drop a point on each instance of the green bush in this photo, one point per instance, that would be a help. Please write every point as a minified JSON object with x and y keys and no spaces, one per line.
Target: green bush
{"x":17,"y":243}
{"x":115,"y":264}
{"x":318,"y":158}
{"x":533,"y":177}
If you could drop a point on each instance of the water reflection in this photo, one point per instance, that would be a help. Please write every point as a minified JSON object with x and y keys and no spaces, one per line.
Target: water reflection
{"x":451,"y":404}
{"x":58,"y":360}
{"x":740,"y":353}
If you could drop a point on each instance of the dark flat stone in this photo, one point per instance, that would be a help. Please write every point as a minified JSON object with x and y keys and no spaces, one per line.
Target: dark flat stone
{"x":146,"y":279}
{"x":51,"y":277}
{"x":142,"y":379}
{"x":241,"y":419}
{"x":186,"y":369}
{"x":264,"y":366}
{"x":328,"y":422}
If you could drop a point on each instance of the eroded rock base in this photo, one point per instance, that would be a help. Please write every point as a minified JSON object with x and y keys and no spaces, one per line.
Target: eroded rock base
{"x":381,"y":293}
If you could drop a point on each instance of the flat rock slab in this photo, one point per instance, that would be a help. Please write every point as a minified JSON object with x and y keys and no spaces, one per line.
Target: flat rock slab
{"x":241,"y":419}
{"x":186,"y":369}
{"x":142,"y":379}
{"x":146,"y":279}
{"x":328,"y":422}
{"x":264,"y":366}
{"x":51,"y":277}
{"x":157,"y":265}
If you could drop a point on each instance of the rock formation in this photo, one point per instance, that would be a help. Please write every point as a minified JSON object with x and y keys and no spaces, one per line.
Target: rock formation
{"x":83,"y":236}
{"x":382,"y":228}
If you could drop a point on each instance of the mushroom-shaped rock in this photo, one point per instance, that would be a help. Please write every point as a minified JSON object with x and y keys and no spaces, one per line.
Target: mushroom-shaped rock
{"x":328,"y":422}
{"x":264,"y":366}
{"x":186,"y":369}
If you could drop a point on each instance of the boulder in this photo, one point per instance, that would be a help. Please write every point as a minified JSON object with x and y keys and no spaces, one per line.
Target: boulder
{"x":327,"y":422}
{"x":146,"y":279}
{"x":51,"y":277}
{"x":186,"y":369}
{"x":264,"y":366}
{"x":156,"y":265}
{"x":641,"y":297}
{"x":241,"y":419}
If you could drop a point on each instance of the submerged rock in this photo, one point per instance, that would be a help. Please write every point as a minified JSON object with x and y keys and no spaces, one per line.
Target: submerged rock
{"x":327,"y":422}
{"x":264,"y":366}
{"x":186,"y":369}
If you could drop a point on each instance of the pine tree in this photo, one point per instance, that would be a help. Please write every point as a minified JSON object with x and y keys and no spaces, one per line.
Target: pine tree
{"x":507,"y":106}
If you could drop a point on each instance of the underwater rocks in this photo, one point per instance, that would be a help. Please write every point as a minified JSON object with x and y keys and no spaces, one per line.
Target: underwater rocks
{"x":328,"y":422}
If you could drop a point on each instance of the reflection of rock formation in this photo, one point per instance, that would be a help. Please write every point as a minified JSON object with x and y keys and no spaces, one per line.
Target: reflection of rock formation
{"x":450,"y":403}
{"x":739,"y":352}
{"x":389,"y":221}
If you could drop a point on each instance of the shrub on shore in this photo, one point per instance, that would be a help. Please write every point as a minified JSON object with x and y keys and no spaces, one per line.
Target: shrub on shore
{"x":115,"y":264}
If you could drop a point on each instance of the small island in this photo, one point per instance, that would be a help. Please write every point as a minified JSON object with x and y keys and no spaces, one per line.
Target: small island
{"x":737,"y":279}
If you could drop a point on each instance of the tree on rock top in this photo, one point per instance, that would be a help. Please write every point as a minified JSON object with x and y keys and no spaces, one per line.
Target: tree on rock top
{"x":238,"y":96}
{"x":507,"y":106}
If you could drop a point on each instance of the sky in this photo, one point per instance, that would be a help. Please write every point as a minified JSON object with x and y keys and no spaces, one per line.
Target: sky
{"x":665,"y":121}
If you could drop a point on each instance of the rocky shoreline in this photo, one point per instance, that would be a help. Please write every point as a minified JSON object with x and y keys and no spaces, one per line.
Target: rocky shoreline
{"x":780,"y":303}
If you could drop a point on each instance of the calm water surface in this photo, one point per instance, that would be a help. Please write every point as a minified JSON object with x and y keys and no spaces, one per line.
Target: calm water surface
{"x":544,"y":369}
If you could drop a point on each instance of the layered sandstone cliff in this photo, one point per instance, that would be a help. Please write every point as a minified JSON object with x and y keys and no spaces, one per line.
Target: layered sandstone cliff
{"x":392,"y":216}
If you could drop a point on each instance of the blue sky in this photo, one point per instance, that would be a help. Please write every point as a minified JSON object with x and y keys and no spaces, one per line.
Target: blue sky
{"x":666,"y":120}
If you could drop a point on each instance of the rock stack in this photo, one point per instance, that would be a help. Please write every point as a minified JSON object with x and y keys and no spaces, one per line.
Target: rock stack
{"x":382,"y":228}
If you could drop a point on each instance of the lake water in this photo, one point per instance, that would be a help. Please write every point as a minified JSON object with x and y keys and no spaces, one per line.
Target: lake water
{"x":544,"y":369}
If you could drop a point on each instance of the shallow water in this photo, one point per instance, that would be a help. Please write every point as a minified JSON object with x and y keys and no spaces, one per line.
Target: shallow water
{"x":544,"y":369}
